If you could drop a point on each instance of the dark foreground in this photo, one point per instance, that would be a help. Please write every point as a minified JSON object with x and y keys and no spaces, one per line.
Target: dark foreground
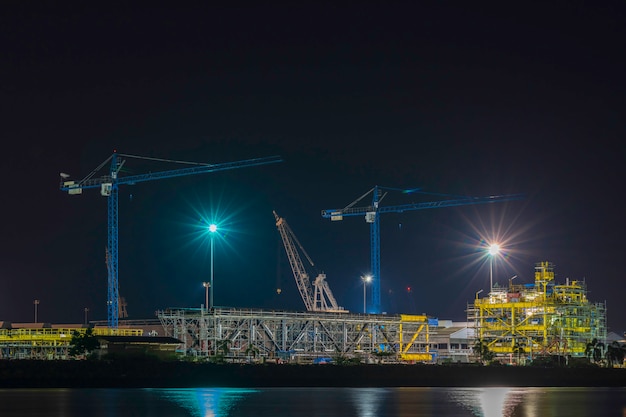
{"x":145,"y":374}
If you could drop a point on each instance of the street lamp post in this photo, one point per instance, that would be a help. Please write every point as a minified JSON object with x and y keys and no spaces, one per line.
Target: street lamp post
{"x":206,"y":286}
{"x":212,"y":230}
{"x":366,"y":279}
{"x":36,"y":303}
{"x":511,"y":281}
{"x":86,"y":311}
{"x":493,"y":251}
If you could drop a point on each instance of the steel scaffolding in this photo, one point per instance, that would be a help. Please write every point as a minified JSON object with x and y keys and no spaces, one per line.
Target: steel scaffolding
{"x":48,"y":343}
{"x":544,"y":318}
{"x":251,"y":334}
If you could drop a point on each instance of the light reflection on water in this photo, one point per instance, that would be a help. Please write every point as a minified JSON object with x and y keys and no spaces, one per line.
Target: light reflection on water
{"x":491,"y":402}
{"x":367,"y":401}
{"x":400,"y":402}
{"x":204,"y":402}
{"x":315,"y":402}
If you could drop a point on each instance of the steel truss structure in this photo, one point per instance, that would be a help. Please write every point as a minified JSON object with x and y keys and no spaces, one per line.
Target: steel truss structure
{"x":544,"y":318}
{"x":240,"y":334}
{"x":48,"y":343}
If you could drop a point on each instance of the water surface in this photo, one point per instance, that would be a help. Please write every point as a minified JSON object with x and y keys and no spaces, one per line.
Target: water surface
{"x":315,"y":402}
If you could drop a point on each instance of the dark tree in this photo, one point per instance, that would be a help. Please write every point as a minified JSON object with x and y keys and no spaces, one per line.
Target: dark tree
{"x":83,"y":344}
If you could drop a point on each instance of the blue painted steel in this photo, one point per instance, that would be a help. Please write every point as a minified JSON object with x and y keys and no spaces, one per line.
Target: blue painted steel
{"x":112,"y":266}
{"x":88,"y":183}
{"x":113,"y":181}
{"x":375,"y":255}
{"x":376,"y":209}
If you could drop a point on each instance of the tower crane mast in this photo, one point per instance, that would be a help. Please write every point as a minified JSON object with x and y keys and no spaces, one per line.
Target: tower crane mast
{"x":316,"y":297}
{"x":108,"y":185}
{"x":374,"y":210}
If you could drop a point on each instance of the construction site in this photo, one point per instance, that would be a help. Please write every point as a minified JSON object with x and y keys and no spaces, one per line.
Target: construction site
{"x":515,"y":323}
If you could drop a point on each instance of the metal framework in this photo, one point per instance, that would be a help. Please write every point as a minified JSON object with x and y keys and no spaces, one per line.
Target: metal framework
{"x":48,"y":343}
{"x":108,"y":185}
{"x":544,"y":318}
{"x":240,"y":334}
{"x":372,"y":216}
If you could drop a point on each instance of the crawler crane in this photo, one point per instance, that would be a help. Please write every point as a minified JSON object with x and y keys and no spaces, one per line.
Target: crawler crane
{"x":317,"y":297}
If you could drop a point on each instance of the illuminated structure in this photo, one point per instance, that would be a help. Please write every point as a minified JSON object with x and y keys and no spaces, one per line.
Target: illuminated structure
{"x":239,"y":334}
{"x":522,"y":321}
{"x":48,"y":342}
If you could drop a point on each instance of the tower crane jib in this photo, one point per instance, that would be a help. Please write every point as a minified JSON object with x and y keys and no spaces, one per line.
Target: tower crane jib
{"x":108,"y":185}
{"x":373,"y":211}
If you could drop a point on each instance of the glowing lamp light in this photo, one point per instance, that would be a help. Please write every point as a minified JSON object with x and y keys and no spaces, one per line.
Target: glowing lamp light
{"x":494,"y":249}
{"x":212,"y":228}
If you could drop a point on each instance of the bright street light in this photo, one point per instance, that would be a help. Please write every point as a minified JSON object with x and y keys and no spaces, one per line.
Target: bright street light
{"x":494,"y":248}
{"x":366,"y":280}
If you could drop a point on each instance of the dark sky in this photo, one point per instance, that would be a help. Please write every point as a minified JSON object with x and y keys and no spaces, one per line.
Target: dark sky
{"x":456,"y":98}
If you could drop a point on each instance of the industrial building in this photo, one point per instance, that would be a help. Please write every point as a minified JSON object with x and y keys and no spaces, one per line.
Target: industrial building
{"x":522,"y":321}
{"x":517,"y":323}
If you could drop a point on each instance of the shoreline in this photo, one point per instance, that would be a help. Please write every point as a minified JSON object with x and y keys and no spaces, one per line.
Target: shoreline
{"x":155,"y":374}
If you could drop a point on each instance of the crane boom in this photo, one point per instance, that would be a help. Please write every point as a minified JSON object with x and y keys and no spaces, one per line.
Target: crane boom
{"x":372,"y":216}
{"x":88,"y":182}
{"x":318,"y":297}
{"x":109,"y":184}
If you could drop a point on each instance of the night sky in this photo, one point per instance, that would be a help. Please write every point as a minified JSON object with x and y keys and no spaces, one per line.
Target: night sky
{"x":454,"y":98}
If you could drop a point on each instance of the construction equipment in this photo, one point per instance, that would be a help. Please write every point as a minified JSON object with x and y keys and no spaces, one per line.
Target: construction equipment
{"x":372,"y":216}
{"x":319,"y":297}
{"x":108,"y":185}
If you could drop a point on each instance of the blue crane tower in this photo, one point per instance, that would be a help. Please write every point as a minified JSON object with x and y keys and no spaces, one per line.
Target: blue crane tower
{"x":108,"y":185}
{"x":372,"y":216}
